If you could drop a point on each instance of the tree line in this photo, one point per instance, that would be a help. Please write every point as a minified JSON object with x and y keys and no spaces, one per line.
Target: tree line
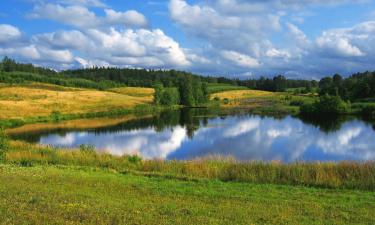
{"x":356,"y":86}
{"x":190,"y":91}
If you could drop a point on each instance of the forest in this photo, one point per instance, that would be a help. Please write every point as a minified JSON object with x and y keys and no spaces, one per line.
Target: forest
{"x":179,"y":87}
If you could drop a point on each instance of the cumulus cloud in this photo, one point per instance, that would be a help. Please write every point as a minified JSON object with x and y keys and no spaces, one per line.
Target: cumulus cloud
{"x":89,"y":3}
{"x":240,"y":59}
{"x":338,"y":45}
{"x":72,"y":39}
{"x":130,"y":17}
{"x":9,"y":33}
{"x":243,"y":33}
{"x":120,"y":39}
{"x":230,"y":37}
{"x":80,"y":16}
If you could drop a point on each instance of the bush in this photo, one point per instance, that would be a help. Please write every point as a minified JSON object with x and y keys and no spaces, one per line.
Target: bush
{"x":56,"y":116}
{"x":326,"y":105}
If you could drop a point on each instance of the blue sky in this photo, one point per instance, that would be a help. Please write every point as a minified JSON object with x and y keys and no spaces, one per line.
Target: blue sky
{"x":236,"y":38}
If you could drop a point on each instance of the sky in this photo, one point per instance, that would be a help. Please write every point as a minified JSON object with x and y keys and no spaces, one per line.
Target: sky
{"x":305,"y":39}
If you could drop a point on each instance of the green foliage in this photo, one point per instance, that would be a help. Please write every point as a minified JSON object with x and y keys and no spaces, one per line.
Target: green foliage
{"x":166,"y":96}
{"x":357,"y":86}
{"x":56,"y":116}
{"x":170,"y":97}
{"x":158,"y":94}
{"x":24,"y":77}
{"x":9,"y":65}
{"x":326,"y":105}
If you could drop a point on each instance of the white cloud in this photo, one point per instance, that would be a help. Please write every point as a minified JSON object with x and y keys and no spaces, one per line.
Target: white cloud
{"x":234,"y":37}
{"x":240,"y":59}
{"x":339,"y":45}
{"x":9,"y":33}
{"x":72,"y":15}
{"x":82,"y":17}
{"x":138,"y":47}
{"x":72,"y":39}
{"x":88,"y":3}
{"x":297,"y":34}
{"x":278,"y":53}
{"x":130,"y":17}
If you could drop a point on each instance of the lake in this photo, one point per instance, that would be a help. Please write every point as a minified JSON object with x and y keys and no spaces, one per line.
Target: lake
{"x":189,"y":134}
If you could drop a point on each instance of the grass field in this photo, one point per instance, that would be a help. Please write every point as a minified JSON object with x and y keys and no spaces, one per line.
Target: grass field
{"x":134,"y":91}
{"x":43,"y":99}
{"x":92,"y":123}
{"x":71,"y":195}
{"x":263,"y":102}
{"x":217,"y":87}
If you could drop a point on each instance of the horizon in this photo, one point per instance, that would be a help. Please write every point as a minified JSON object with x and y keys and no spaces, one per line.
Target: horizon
{"x":230,"y":38}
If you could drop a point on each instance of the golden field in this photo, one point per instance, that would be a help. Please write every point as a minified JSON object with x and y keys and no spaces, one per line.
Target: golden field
{"x":242,"y":94}
{"x":91,"y":123}
{"x":248,"y":98}
{"x":134,"y":91}
{"x":43,"y":99}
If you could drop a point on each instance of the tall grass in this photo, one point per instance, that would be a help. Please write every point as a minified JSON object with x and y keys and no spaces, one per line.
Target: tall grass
{"x":351,"y":175}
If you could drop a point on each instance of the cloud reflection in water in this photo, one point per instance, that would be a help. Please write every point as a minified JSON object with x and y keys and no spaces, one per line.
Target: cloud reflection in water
{"x":245,"y":137}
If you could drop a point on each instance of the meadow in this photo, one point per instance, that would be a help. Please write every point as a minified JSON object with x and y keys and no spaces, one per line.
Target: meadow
{"x":37,"y":99}
{"x":350,"y":175}
{"x":49,"y":185}
{"x":81,"y":195}
{"x":217,"y":87}
{"x":263,"y":102}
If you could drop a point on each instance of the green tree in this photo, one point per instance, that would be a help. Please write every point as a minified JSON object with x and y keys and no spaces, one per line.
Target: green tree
{"x":158,"y":94}
{"x":186,"y":91}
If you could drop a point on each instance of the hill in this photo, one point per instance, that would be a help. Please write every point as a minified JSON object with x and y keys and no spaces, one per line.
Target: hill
{"x":38,"y":99}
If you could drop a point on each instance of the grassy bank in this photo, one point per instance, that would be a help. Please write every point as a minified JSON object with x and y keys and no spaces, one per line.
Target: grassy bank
{"x":36,"y":99}
{"x":350,"y":175}
{"x":70,"y":195}
{"x":263,"y":102}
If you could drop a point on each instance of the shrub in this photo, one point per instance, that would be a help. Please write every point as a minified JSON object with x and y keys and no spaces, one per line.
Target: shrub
{"x":326,"y":105}
{"x":56,"y":116}
{"x":226,"y":101}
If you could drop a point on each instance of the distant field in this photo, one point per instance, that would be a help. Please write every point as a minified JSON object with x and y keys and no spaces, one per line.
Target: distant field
{"x":43,"y":99}
{"x":134,"y":91}
{"x":217,"y":87}
{"x":242,"y":94}
{"x":263,"y":101}
{"x":92,"y":123}
{"x":68,"y":195}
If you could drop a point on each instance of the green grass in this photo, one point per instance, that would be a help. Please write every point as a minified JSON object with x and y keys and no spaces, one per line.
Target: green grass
{"x":263,"y":102}
{"x":69,"y":195}
{"x":349,"y":175}
{"x":218,"y":87}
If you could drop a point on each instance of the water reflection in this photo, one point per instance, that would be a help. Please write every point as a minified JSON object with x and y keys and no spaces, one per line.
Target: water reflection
{"x":189,"y":134}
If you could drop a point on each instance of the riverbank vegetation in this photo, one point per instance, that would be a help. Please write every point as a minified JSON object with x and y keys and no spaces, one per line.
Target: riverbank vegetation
{"x":350,"y":175}
{"x":81,"y":195}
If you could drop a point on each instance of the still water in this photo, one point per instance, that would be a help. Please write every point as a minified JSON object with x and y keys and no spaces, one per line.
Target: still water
{"x":188,"y":134}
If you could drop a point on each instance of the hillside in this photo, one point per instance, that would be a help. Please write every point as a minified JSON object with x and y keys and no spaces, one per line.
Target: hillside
{"x":38,"y":99}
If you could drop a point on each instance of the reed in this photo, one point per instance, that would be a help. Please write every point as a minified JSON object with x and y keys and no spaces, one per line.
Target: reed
{"x":349,"y":175}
